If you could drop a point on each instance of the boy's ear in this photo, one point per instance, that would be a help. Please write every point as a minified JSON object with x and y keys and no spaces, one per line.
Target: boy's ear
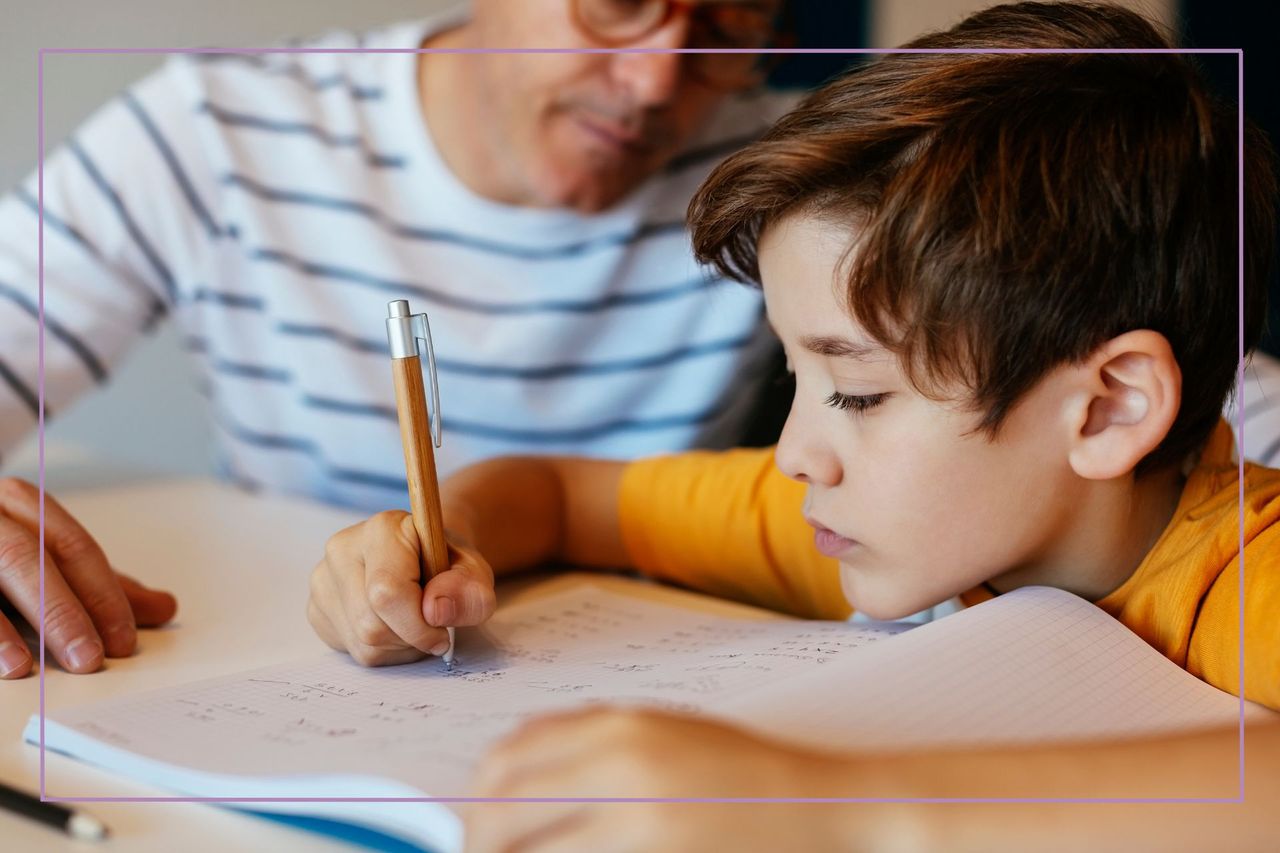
{"x":1129,"y":393}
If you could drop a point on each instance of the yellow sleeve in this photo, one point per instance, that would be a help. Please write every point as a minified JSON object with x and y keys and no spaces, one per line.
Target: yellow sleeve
{"x":728,"y":523}
{"x":1213,"y":653}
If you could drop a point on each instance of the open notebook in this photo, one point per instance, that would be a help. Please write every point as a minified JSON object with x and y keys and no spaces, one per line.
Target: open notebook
{"x":1033,"y":664}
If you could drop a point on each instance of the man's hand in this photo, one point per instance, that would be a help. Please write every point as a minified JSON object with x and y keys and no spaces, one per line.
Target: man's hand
{"x":365,"y":598}
{"x":89,"y":609}
{"x":647,"y":754}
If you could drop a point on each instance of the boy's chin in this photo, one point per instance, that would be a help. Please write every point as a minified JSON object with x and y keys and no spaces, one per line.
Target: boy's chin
{"x":880,"y":598}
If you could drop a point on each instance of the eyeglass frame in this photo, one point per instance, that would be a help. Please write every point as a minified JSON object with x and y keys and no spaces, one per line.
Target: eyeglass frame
{"x":766,"y":62}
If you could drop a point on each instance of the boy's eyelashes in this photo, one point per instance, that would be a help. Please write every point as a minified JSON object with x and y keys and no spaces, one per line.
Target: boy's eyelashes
{"x":856,"y":403}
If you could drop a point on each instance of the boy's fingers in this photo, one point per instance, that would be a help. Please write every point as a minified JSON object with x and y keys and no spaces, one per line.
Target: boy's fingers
{"x":539,"y":749}
{"x":83,"y":566}
{"x":398,"y":603}
{"x":494,"y":827}
{"x":391,"y":575}
{"x":367,"y":639}
{"x":323,"y":626}
{"x":151,"y":607}
{"x":15,"y":657}
{"x":390,"y":657}
{"x":69,"y":631}
{"x":371,"y":643}
{"x":461,"y":596}
{"x":340,"y":585}
{"x":337,"y":591}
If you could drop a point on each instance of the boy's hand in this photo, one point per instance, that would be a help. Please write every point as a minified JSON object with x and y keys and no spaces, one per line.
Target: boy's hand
{"x":90,"y":611}
{"x":639,"y":753}
{"x":365,"y":597}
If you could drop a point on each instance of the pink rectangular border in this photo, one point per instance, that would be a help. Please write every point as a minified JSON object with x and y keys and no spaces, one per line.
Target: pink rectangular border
{"x":41,"y":52}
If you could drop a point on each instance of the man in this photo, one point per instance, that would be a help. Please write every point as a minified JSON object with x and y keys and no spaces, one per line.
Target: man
{"x":272,"y":204}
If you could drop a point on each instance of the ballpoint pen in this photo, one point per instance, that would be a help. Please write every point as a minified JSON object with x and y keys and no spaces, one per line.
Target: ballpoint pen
{"x":420,"y":434}
{"x":78,"y":825}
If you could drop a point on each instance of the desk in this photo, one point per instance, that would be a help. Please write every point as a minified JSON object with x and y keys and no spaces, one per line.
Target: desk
{"x":239,"y":565}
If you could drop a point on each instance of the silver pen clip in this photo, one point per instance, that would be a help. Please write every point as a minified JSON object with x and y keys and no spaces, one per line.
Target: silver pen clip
{"x":404,"y":330}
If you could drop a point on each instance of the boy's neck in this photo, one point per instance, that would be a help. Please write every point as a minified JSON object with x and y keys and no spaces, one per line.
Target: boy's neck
{"x":1106,"y":541}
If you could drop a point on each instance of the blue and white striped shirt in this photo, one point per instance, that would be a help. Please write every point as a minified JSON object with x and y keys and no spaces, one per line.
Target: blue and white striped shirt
{"x":273,"y":204}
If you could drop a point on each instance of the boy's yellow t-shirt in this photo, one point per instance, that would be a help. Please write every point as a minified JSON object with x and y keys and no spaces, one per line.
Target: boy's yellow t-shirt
{"x":729,"y":523}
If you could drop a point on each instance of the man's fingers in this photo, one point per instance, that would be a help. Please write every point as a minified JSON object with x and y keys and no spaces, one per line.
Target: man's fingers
{"x":151,"y":607}
{"x":15,"y":657}
{"x":69,"y":631}
{"x":392,"y":570}
{"x":463,"y":595}
{"x":80,"y":560}
{"x":87,"y":573}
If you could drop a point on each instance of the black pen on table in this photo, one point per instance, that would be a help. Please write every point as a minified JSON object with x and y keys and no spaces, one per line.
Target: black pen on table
{"x":78,"y":825}
{"x":419,"y":433}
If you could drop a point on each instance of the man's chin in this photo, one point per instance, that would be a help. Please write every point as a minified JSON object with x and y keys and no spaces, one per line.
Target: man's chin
{"x":587,"y":194}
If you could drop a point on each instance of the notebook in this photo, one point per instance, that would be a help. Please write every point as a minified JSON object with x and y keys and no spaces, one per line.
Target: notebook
{"x":1030,"y":665}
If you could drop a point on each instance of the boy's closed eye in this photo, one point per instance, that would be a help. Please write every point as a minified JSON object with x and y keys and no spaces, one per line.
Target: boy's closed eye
{"x":855,"y":403}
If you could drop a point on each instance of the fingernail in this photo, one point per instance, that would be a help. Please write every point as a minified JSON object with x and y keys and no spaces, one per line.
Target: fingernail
{"x":83,"y":653}
{"x":440,"y":648}
{"x":443,"y":611}
{"x":13,"y":656}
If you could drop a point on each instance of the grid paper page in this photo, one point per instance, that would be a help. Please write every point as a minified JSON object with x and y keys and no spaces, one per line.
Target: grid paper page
{"x":1034,"y":664}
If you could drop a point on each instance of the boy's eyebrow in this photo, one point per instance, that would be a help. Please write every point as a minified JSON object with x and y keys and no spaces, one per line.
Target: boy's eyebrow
{"x":838,"y":347}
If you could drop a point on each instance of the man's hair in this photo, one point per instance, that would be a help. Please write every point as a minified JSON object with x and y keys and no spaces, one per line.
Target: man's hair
{"x":1009,"y":213}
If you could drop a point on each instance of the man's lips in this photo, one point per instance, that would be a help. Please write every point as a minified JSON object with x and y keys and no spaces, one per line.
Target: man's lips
{"x":830,"y":543}
{"x":614,"y":135}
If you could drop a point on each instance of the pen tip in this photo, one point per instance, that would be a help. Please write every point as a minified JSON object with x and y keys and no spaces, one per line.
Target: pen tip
{"x":448,"y":665}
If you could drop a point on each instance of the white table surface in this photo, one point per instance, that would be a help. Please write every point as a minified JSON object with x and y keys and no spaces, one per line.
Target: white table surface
{"x":238,"y":564}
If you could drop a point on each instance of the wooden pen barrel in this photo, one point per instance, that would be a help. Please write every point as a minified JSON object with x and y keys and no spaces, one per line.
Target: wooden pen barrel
{"x":420,"y":464}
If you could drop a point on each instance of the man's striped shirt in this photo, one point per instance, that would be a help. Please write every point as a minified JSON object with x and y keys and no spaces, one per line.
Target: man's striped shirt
{"x":272,"y":204}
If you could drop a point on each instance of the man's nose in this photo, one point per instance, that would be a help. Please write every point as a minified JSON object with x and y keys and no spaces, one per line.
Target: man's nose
{"x":803,"y":455}
{"x":652,"y":79}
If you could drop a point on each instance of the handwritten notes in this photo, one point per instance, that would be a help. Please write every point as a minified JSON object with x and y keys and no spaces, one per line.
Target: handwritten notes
{"x":426,"y":727}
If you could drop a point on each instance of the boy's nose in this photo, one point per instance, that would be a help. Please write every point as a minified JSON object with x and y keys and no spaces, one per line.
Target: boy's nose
{"x":803,"y":456}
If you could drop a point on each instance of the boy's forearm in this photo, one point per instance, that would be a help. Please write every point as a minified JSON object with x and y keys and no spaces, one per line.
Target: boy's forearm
{"x":523,"y":511}
{"x":1197,"y":765}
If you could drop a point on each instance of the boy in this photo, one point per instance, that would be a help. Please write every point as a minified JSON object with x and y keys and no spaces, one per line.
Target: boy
{"x":1006,"y":285}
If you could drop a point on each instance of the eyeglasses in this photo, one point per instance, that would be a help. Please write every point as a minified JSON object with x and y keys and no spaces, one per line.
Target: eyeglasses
{"x":713,"y":24}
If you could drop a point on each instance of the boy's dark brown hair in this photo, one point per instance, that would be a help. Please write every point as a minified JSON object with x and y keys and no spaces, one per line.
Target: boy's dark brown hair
{"x":1015,"y":211}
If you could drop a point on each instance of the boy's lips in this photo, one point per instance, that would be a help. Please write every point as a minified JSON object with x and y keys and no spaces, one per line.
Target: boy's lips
{"x":827,"y":541}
